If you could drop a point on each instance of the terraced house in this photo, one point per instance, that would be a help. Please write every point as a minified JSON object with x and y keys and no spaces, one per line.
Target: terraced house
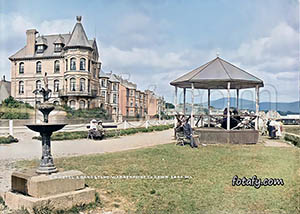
{"x":71,"y":62}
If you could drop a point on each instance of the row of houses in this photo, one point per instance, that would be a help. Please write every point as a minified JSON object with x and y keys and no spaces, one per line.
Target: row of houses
{"x":70,"y":63}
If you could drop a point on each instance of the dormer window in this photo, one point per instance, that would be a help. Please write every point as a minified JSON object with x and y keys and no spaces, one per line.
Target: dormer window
{"x":57,"y":47}
{"x":40,"y":49}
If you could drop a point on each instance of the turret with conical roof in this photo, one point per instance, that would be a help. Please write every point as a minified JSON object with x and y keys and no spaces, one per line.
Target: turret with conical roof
{"x":78,"y":37}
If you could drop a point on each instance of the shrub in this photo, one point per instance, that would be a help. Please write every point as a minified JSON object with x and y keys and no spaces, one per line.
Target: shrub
{"x":14,"y":115}
{"x":8,"y":140}
{"x":295,"y":139}
{"x":108,"y":133}
{"x":10,"y":102}
{"x":98,"y":113}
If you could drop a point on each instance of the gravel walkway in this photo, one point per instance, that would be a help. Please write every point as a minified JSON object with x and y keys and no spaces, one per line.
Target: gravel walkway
{"x":27,"y":148}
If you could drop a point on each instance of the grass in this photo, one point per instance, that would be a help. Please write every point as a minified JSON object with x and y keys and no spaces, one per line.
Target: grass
{"x":8,"y":140}
{"x":108,"y":134}
{"x":294,"y":129}
{"x":209,"y":190}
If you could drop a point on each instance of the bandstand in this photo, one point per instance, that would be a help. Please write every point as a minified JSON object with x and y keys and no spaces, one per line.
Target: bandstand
{"x":219,"y":74}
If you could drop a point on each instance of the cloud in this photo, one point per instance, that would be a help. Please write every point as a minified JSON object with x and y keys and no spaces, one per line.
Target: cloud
{"x":13,"y":28}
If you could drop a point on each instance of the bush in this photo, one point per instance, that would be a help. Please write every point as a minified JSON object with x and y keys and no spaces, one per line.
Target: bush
{"x":96,"y":113}
{"x":10,"y":102}
{"x":13,"y":115}
{"x":8,"y":140}
{"x":108,"y":133}
{"x":295,"y":139}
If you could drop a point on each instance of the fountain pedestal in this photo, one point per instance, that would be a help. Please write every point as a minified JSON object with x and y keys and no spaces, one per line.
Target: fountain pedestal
{"x":46,"y":165}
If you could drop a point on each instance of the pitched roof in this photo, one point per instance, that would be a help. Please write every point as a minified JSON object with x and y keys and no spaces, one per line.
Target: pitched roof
{"x":59,"y":40}
{"x":41,"y":40}
{"x":5,"y":89}
{"x":103,"y":75}
{"x":113,"y":78}
{"x":78,"y":36}
{"x":215,"y":75}
{"x":48,"y":52}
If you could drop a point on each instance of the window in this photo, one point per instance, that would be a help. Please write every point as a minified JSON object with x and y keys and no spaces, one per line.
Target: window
{"x":73,"y":84}
{"x":82,"y":104}
{"x":72,"y":104}
{"x":38,"y":84}
{"x":56,"y":66}
{"x":38,"y":67}
{"x":40,"y":49}
{"x":89,"y":85}
{"x":103,"y":83}
{"x":103,"y":94}
{"x":131,"y":92}
{"x":73,"y":64}
{"x":57,"y":48}
{"x":82,"y":64}
{"x":89,"y":65}
{"x":21,"y":87}
{"x":56,"y":85}
{"x":21,"y":68}
{"x":114,"y":86}
{"x":114,"y":98}
{"x":66,"y":64}
{"x":82,"y":84}
{"x":56,"y":103}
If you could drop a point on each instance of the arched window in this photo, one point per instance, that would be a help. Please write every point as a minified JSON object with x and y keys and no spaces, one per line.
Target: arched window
{"x":73,"y":84}
{"x":21,"y":87}
{"x":82,"y":84}
{"x":56,"y":85}
{"x":82,"y":104}
{"x":72,"y":104}
{"x":38,"y":67}
{"x":82,"y":64}
{"x":73,"y":64}
{"x":21,"y":68}
{"x":56,"y":66}
{"x":38,"y":84}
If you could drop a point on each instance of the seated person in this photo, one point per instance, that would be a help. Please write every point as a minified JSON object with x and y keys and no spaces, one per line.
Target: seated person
{"x":94,"y":129}
{"x":100,"y":129}
{"x":188,"y":133}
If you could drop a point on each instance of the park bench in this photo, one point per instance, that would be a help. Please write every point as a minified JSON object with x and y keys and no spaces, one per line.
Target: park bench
{"x":93,"y":134}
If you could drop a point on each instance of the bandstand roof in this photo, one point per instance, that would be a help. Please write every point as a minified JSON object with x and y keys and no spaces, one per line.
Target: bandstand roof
{"x":215,"y":75}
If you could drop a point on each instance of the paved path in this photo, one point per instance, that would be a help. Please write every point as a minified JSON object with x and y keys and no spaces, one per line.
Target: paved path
{"x":31,"y":149}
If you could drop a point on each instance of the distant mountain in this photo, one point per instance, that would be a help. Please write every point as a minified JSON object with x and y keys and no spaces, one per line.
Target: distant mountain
{"x":263,"y":106}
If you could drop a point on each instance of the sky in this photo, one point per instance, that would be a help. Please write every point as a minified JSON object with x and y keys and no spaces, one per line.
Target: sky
{"x":153,"y":42}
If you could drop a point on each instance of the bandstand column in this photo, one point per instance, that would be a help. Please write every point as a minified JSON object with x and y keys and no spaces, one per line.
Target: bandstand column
{"x":228,"y":106}
{"x":184,"y":100}
{"x":256,"y":106}
{"x":208,"y":103}
{"x":192,"y":112}
{"x":175,"y":103}
{"x":237,"y":99}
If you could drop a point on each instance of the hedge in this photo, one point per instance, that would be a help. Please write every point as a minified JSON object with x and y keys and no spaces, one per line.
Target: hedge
{"x":295,"y":139}
{"x":108,"y":133}
{"x":8,"y":140}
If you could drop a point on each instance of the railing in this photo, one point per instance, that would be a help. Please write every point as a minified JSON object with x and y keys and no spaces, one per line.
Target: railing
{"x":65,"y":93}
{"x":238,"y":121}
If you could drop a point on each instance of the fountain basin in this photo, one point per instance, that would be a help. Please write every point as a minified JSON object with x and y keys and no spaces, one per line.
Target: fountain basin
{"x":45,"y":127}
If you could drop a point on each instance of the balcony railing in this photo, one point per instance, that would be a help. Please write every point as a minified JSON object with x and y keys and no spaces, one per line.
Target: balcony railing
{"x":65,"y":93}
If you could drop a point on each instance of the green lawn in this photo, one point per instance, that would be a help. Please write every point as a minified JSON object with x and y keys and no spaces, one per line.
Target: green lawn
{"x":209,"y":190}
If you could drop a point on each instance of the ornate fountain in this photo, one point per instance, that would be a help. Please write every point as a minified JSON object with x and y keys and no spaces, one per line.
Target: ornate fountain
{"x":45,"y":129}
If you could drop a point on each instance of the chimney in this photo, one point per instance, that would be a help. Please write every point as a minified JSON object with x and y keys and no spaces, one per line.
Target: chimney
{"x":30,"y":46}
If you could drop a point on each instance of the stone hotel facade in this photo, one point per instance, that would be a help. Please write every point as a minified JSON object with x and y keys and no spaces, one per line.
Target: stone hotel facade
{"x":70,"y":61}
